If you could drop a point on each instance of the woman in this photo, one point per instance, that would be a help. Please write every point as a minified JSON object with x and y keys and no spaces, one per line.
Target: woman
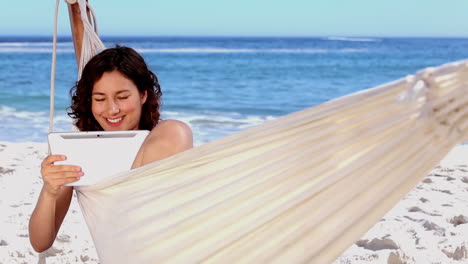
{"x":117,"y":91}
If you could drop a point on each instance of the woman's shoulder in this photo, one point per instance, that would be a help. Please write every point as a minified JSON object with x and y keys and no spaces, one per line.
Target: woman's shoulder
{"x":169,"y":137}
{"x":172,"y":126}
{"x":172,"y":131}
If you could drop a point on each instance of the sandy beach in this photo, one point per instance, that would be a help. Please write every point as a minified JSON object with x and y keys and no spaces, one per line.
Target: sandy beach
{"x":20,"y":184}
{"x":430,"y":225}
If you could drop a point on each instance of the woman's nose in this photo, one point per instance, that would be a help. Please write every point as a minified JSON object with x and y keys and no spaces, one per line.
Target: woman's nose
{"x":113,"y":107}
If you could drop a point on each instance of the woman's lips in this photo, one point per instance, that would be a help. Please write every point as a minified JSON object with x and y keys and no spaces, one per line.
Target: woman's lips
{"x":115,"y":122}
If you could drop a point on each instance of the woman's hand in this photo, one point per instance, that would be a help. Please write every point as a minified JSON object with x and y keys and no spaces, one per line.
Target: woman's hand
{"x":55,"y":176}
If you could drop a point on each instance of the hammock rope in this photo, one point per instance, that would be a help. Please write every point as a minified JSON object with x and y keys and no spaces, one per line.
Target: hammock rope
{"x":91,"y":45}
{"x":53,"y":70}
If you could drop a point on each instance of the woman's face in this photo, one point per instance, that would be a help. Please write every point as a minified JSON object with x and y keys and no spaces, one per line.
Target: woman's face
{"x":116,"y":102}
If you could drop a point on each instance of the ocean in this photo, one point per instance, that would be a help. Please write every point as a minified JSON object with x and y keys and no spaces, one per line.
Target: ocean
{"x":217,"y":85}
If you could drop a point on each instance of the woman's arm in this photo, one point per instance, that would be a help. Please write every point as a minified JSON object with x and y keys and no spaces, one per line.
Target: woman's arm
{"x":166,"y":139}
{"x":53,"y":202}
{"x":169,"y":137}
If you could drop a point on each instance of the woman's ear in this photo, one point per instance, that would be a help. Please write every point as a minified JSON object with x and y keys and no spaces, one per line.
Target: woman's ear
{"x":143,"y":97}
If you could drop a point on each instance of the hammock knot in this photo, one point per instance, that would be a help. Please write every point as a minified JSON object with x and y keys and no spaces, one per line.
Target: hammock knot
{"x":425,"y":92}
{"x":417,"y":94}
{"x":415,"y":91}
{"x":443,"y":102}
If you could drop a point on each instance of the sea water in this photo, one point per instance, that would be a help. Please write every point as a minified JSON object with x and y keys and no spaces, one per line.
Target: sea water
{"x":217,"y":85}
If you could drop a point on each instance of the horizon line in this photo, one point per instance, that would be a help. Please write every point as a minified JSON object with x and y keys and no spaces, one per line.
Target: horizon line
{"x":238,"y":36}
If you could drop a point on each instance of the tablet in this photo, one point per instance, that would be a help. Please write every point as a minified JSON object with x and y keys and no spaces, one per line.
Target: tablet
{"x":100,"y":154}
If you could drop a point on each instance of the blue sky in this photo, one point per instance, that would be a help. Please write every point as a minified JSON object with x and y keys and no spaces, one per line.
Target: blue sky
{"x":413,"y":18}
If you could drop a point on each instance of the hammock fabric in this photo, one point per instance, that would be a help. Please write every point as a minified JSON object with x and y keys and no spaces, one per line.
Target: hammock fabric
{"x":298,"y":189}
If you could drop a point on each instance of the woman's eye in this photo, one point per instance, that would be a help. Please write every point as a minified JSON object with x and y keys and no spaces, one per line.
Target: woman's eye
{"x":123,"y":98}
{"x":98,"y":99}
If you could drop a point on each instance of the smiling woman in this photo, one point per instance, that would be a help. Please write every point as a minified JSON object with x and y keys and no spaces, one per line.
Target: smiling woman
{"x":116,"y":84}
{"x":117,"y":91}
{"x":116,"y":102}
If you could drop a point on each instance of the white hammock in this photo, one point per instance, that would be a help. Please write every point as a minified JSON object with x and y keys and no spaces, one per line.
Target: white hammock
{"x":299,"y":189}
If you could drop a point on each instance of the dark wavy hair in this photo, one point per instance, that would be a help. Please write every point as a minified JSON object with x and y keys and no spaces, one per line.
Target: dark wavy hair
{"x":128,"y":62}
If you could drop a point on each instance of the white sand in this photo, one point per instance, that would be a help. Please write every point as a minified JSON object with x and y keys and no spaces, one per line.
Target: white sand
{"x":20,"y":185}
{"x":428,"y":226}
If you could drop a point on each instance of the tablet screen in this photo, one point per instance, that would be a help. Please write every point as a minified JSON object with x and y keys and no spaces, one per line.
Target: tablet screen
{"x":100,"y":154}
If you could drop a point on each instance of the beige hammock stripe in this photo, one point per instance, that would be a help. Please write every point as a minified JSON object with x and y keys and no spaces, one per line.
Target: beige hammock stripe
{"x":298,"y":189}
